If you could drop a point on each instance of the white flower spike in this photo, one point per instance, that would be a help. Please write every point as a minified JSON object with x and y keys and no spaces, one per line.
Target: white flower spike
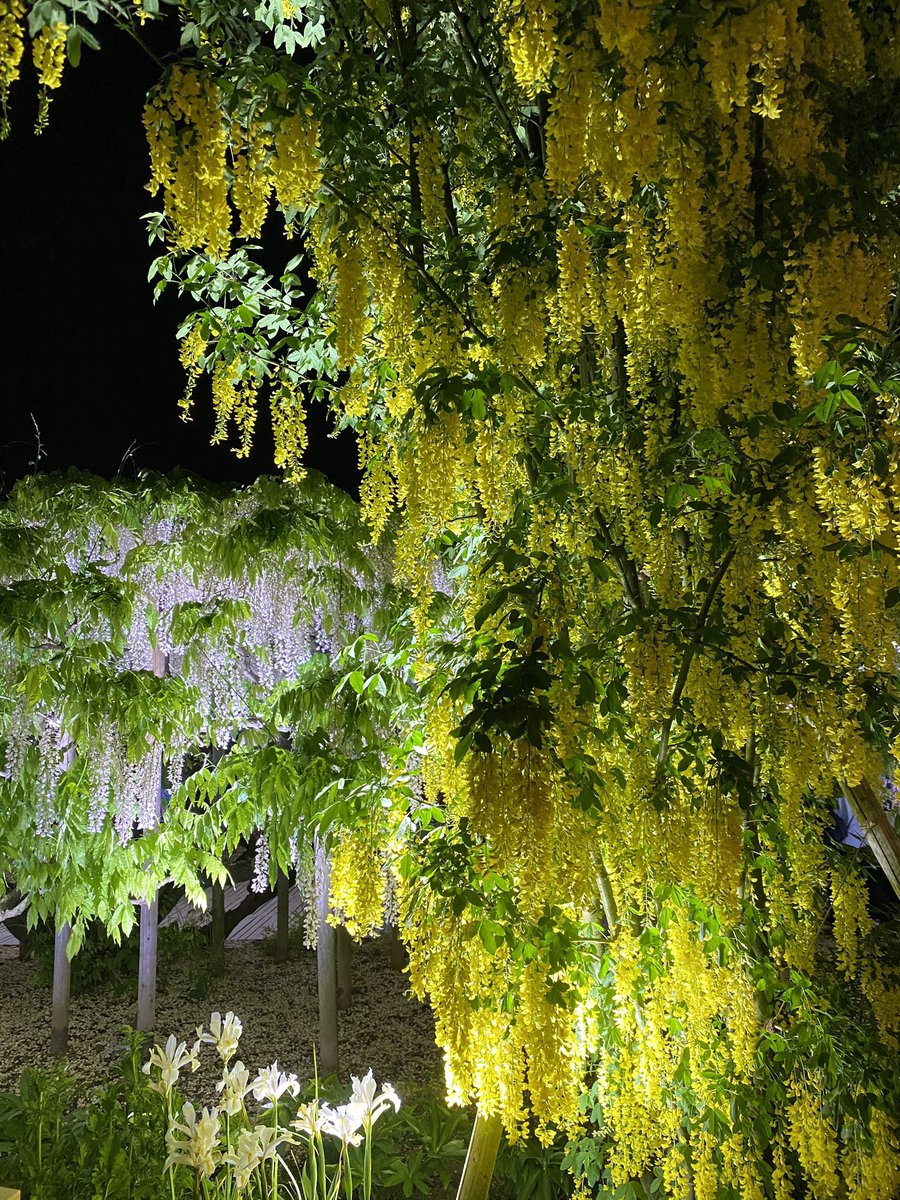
{"x":371,"y":1105}
{"x":234,"y":1086}
{"x":344,"y":1123}
{"x":223,"y":1034}
{"x":200,"y":1149}
{"x":171,"y":1060}
{"x":271,"y":1084}
{"x":311,"y":1118}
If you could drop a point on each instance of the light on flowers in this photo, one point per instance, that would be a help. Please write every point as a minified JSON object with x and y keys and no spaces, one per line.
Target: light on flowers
{"x":271,"y":1084}
{"x":224,"y":1034}
{"x":370,"y":1104}
{"x":195,"y":1140}
{"x":310,"y":1118}
{"x":234,"y":1086}
{"x":344,"y":1123}
{"x":254,"y":1147}
{"x":171,"y":1060}
{"x":244,"y":1158}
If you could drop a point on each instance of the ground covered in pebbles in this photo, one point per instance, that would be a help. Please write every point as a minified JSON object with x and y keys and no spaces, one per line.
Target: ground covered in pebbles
{"x":384,"y":1029}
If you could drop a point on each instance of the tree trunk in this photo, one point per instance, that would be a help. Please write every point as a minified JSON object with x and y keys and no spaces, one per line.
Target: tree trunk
{"x":62,"y":976}
{"x":396,"y":949}
{"x":282,"y":898}
{"x":881,"y":836}
{"x":217,"y":930}
{"x":482,"y":1154}
{"x":149,"y":931}
{"x":149,"y":934}
{"x":344,"y":968}
{"x":327,"y":969}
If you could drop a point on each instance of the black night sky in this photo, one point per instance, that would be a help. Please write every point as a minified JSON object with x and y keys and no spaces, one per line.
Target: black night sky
{"x":90,"y":369}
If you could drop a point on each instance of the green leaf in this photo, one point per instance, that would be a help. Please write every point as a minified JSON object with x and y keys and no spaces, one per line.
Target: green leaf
{"x":492,"y":935}
{"x":587,"y":689}
{"x":73,"y":44}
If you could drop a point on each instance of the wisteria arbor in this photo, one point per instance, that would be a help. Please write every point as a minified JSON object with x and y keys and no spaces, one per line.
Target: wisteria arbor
{"x":169,"y":633}
{"x":610,"y":297}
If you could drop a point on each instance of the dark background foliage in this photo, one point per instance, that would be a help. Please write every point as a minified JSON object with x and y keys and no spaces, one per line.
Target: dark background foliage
{"x":90,"y":371}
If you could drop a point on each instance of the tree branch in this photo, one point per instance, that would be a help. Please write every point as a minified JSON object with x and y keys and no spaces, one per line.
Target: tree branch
{"x":474,"y":54}
{"x":690,"y":651}
{"x":7,"y":914}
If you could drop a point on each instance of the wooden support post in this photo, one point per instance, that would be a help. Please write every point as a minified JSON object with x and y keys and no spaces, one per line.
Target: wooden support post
{"x":327,"y":968}
{"x":396,"y":949}
{"x":282,"y":917}
{"x":149,"y":927}
{"x":478,"y":1168}
{"x":217,"y":930}
{"x":147,"y":946}
{"x":62,"y":967}
{"x":10,"y":1194}
{"x":344,"y":968}
{"x":62,"y":977}
{"x":881,"y":836}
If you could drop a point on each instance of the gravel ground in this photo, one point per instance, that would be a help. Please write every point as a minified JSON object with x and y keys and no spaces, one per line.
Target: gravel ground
{"x":384,"y":1029}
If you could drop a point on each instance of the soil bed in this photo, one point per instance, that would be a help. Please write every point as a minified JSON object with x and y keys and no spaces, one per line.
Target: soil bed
{"x":385,"y":1029}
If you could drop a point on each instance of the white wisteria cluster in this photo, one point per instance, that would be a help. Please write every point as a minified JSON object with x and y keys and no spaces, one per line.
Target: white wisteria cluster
{"x":170,"y":621}
{"x":309,"y":885}
{"x":50,"y":767}
{"x":261,"y":861}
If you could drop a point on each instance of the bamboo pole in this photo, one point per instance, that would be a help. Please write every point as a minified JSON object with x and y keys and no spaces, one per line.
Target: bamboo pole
{"x":478,"y":1168}
{"x":62,"y":979}
{"x":327,"y":968}
{"x":880,"y":834}
{"x":149,"y":919}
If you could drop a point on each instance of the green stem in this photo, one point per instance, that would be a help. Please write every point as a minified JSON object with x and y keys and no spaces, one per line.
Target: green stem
{"x":275,"y":1161}
{"x":348,"y":1177}
{"x":367,"y":1168}
{"x":168,"y":1124}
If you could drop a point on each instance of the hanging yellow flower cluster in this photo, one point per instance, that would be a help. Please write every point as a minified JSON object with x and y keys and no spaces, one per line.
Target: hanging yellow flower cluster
{"x":12,"y":46}
{"x":674,"y":314}
{"x":607,"y":325}
{"x":197,"y":157}
{"x":188,"y":141}
{"x":48,"y":50}
{"x":296,"y":170}
{"x":531,"y":40}
{"x":358,"y":883}
{"x":234,"y":400}
{"x":289,"y":429}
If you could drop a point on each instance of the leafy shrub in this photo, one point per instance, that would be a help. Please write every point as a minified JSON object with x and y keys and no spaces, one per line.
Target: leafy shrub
{"x":104,"y":963}
{"x":530,"y":1171}
{"x":111,"y":1149}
